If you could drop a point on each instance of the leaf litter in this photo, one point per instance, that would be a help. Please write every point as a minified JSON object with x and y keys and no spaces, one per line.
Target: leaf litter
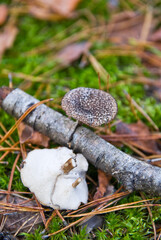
{"x":72,"y":52}
{"x":139,"y":130}
{"x":7,"y":37}
{"x":52,"y":9}
{"x":18,"y":221}
{"x":3,"y":13}
{"x":28,"y":135}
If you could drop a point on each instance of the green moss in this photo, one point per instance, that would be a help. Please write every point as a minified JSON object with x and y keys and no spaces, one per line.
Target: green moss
{"x":129,"y":223}
{"x":35,"y":236}
{"x":54,"y":226}
{"x":82,"y":235}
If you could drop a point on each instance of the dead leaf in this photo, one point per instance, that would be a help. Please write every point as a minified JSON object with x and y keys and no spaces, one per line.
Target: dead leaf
{"x":3,"y":13}
{"x":138,"y":129}
{"x":63,"y":7}
{"x":52,"y":9}
{"x":103,"y":180}
{"x":43,"y":14}
{"x":156,"y":36}
{"x":125,"y":26}
{"x":14,"y":220}
{"x":72,"y":52}
{"x":28,"y":135}
{"x":7,"y":38}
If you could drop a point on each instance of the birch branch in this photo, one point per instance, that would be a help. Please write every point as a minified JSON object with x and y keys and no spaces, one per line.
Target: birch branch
{"x":131,"y":172}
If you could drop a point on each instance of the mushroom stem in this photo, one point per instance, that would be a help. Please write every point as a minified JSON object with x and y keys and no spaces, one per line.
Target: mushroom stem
{"x":77,"y":181}
{"x":69,"y":165}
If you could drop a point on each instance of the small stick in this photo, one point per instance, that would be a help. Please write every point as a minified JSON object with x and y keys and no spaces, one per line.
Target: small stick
{"x":6,"y":152}
{"x":61,"y":217}
{"x":50,"y":219}
{"x":41,"y":212}
{"x":108,"y":83}
{"x":11,"y":177}
{"x":150,"y":214}
{"x":10,"y":80}
{"x":147,"y":24}
{"x":5,"y":131}
{"x":69,"y":165}
{"x":99,"y":81}
{"x":77,"y":182}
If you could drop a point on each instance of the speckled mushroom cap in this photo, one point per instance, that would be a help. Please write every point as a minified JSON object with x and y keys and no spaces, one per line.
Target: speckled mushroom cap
{"x":90,"y":106}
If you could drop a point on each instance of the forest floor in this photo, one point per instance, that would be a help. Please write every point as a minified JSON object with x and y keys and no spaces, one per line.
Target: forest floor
{"x":110,"y":45}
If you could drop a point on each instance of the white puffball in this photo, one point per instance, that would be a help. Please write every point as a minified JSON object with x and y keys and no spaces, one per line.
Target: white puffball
{"x":43,"y":174}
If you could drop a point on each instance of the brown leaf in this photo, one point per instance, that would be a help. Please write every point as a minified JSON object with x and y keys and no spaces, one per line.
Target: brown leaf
{"x":72,"y":52}
{"x":103,"y":180}
{"x":16,"y":219}
{"x":63,"y":7}
{"x":156,"y":36}
{"x":125,"y":26}
{"x":43,"y":13}
{"x":48,"y":7}
{"x":28,"y":135}
{"x":7,"y":38}
{"x":3,"y":13}
{"x":138,"y":129}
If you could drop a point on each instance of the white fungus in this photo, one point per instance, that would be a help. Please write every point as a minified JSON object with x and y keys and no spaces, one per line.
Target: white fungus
{"x":56,"y":177}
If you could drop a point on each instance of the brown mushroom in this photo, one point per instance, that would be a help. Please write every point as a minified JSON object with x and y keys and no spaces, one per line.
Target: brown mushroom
{"x":90,"y":106}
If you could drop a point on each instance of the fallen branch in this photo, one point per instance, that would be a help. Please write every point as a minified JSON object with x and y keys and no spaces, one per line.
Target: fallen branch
{"x":131,"y":172}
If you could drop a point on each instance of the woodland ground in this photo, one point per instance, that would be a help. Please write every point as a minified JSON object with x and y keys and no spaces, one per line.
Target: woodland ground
{"x":45,"y":78}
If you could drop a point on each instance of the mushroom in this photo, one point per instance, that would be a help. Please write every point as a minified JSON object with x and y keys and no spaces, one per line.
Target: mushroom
{"x":90,"y":106}
{"x":56,"y":177}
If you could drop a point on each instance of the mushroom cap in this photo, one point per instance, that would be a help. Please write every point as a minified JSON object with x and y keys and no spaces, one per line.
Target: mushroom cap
{"x":90,"y":106}
{"x":42,"y":173}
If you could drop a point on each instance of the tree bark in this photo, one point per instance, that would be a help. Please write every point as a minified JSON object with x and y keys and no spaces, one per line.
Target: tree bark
{"x":131,"y":172}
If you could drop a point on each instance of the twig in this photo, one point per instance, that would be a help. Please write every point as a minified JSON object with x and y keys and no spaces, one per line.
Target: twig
{"x":151,"y":217}
{"x":41,"y":212}
{"x":147,"y":24}
{"x":98,"y":67}
{"x":7,"y":152}
{"x":11,"y":176}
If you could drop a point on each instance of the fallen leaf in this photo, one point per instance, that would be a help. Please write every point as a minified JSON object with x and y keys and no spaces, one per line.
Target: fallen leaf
{"x":3,"y":13}
{"x":156,"y":36}
{"x":138,"y":129}
{"x":125,"y":26}
{"x":43,"y":14}
{"x":15,"y":220}
{"x":45,"y":9}
{"x":63,"y":7}
{"x":103,"y":180}
{"x":72,"y":52}
{"x":7,"y":37}
{"x":28,"y":135}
